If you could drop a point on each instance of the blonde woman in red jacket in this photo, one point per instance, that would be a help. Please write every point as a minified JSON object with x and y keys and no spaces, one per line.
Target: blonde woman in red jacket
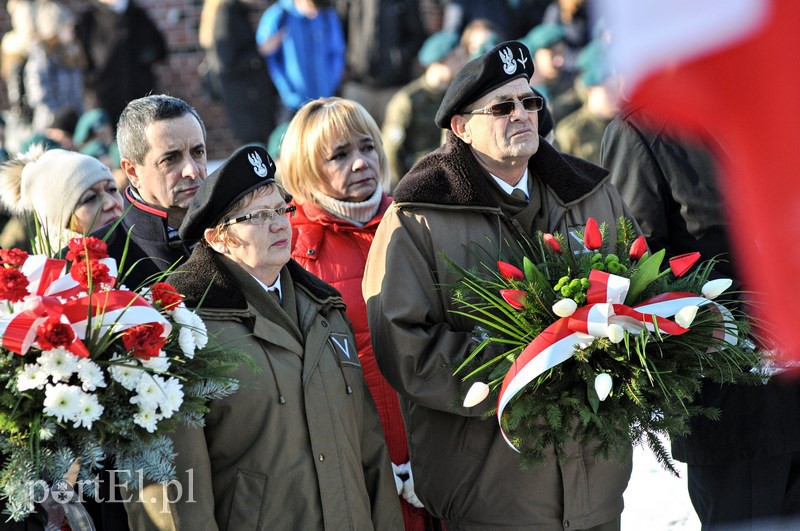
{"x":332,"y":162}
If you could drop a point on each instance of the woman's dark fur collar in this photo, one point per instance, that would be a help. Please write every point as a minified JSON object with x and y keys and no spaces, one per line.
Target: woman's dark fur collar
{"x":192,"y":280}
{"x":452,"y":176}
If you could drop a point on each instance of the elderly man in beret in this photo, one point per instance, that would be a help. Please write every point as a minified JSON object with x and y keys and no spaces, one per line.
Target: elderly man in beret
{"x":493,"y":182}
{"x":300,"y":444}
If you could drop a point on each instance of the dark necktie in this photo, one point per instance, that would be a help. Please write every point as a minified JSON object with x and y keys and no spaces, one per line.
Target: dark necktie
{"x":274,"y":294}
{"x":519,"y":194}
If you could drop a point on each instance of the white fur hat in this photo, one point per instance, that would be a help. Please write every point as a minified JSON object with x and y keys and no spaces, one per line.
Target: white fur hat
{"x":49,"y":183}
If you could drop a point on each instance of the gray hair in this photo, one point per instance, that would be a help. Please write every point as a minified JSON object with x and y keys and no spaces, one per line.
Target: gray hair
{"x":140,"y":113}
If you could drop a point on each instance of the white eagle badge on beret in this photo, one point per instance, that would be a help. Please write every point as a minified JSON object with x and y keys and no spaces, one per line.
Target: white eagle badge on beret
{"x":258,"y":165}
{"x":509,"y":63}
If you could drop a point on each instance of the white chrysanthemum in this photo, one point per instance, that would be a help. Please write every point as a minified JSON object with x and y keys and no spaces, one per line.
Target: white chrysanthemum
{"x":62,"y":401}
{"x":59,"y":363}
{"x":187,"y":342}
{"x":173,"y":397}
{"x":32,"y":376}
{"x":89,"y":410}
{"x":147,"y":419}
{"x":158,"y":363}
{"x":199,"y":330}
{"x":182,"y":315}
{"x":126,"y":373}
{"x":193,"y":334}
{"x":91,"y":375}
{"x":149,"y":392}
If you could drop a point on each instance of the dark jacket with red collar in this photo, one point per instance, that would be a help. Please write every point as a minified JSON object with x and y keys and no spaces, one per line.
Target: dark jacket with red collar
{"x":150,"y":249}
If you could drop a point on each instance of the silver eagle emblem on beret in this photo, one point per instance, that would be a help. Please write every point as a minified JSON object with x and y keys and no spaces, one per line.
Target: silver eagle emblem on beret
{"x":258,"y":165}
{"x":509,"y":64}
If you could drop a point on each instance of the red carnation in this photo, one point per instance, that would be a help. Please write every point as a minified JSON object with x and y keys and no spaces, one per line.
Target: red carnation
{"x":592,"y":238}
{"x":638,"y":248}
{"x":13,"y":284}
{"x":53,"y":333}
{"x":166,"y":295}
{"x":14,"y":257}
{"x":551,"y":242}
{"x":81,"y":270}
{"x":509,"y":271}
{"x":144,"y":341}
{"x":89,"y":246}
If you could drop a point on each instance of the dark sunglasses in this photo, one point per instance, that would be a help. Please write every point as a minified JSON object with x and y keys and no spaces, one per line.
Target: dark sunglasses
{"x":533,"y":103}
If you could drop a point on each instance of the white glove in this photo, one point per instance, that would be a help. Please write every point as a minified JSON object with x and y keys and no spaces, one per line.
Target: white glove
{"x":398,"y":483}
{"x":408,"y":487}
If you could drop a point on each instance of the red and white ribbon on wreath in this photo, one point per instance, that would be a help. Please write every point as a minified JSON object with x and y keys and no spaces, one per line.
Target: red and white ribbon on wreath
{"x":557,"y":342}
{"x":49,"y":285}
{"x":47,"y":276}
{"x":112,"y":311}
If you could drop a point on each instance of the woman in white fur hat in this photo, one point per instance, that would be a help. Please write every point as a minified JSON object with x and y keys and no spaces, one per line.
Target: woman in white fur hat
{"x":71,"y":194}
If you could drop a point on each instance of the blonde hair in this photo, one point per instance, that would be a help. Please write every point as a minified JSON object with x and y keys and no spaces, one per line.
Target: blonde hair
{"x":318,"y":125}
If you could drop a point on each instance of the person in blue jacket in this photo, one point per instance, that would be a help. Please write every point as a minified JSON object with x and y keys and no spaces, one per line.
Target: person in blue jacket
{"x":303,"y":44}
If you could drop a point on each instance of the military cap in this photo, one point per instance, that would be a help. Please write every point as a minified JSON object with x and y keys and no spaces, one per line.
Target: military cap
{"x":592,"y":62}
{"x":543,"y":36}
{"x":437,"y":47}
{"x":244,"y":171}
{"x":505,"y":62}
{"x":88,"y":124}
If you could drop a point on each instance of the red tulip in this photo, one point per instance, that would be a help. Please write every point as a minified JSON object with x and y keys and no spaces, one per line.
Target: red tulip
{"x":509,"y":271}
{"x":514,"y":297}
{"x":592,"y":239}
{"x":638,"y":248}
{"x":551,"y":242}
{"x":682,"y":263}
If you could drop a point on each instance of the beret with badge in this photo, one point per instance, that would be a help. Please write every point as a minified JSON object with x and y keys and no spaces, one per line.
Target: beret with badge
{"x":247,"y":169}
{"x":437,"y":47}
{"x":505,"y":62}
{"x":544,"y":36}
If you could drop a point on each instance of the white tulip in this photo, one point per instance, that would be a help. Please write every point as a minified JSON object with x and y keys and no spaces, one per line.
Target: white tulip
{"x":686,"y":315}
{"x":602,"y":385}
{"x":565,"y":307}
{"x":476,"y":394}
{"x":615,"y":333}
{"x":713,"y":288}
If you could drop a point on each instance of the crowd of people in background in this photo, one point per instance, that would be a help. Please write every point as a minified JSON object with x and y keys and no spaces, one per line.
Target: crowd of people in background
{"x":369,"y":130}
{"x":263,"y":59}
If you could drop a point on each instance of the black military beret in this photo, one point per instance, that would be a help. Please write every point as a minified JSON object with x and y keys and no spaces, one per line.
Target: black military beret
{"x":244,"y":171}
{"x":506,"y":61}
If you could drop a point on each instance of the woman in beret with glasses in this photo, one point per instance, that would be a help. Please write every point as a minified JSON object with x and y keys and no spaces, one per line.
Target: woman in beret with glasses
{"x":334,"y":165}
{"x":300,"y":445}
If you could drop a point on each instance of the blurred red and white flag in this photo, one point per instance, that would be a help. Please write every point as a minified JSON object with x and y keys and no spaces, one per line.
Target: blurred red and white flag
{"x":731,"y":67}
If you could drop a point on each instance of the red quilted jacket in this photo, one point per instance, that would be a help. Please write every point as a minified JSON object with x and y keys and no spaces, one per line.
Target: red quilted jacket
{"x":336,"y":251}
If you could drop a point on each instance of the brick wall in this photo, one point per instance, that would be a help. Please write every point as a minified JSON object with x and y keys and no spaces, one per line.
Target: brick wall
{"x":179,"y":20}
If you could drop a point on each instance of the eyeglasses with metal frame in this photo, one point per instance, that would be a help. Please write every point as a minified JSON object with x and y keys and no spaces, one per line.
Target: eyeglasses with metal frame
{"x":263,"y":216}
{"x":505,"y":108}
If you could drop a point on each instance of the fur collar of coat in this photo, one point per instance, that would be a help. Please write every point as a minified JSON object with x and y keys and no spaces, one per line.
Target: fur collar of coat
{"x":192,"y":280}
{"x":451,"y":175}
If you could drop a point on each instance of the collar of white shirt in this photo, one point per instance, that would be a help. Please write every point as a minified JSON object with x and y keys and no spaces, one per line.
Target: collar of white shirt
{"x":276,"y":286}
{"x":521,"y":185}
